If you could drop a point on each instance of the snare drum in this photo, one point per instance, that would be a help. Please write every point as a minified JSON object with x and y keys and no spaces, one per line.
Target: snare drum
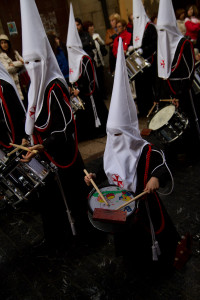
{"x":168,"y":124}
{"x":135,"y":64}
{"x":115,"y":197}
{"x":19,"y":180}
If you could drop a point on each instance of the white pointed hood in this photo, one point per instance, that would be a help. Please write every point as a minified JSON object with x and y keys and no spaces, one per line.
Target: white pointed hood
{"x":74,"y":48}
{"x":140,"y":20}
{"x":39,"y":59}
{"x":168,"y":37}
{"x":123,"y":151}
{"x":4,"y":75}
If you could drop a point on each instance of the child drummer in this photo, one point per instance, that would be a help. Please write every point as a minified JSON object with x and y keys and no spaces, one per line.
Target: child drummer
{"x":134,"y":165}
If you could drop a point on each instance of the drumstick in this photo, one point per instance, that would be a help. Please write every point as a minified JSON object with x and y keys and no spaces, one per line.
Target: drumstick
{"x":15,"y":150}
{"x":151,"y":109}
{"x":130,"y":201}
{"x":96,"y":188}
{"x":24,"y":148}
{"x":168,"y":100}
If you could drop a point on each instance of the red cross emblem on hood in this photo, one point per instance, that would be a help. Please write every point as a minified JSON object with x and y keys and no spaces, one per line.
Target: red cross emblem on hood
{"x":162,"y":63}
{"x":117,"y":180}
{"x":71,"y":71}
{"x":137,"y":39}
{"x":32,"y":112}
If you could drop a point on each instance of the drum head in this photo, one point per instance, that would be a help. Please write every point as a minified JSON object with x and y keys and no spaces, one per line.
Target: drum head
{"x":115,"y":197}
{"x":2,"y":154}
{"x":162,"y":117}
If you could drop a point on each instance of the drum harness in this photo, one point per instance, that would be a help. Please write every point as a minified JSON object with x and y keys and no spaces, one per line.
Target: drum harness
{"x":155,"y":246}
{"x":54,"y":165}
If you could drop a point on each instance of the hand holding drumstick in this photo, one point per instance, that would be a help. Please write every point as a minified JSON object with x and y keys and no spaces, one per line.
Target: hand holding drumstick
{"x":89,"y":177}
{"x":31,"y":151}
{"x":173,"y":101}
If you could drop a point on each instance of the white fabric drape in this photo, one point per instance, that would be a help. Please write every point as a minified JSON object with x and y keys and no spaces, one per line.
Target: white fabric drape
{"x":140,"y":19}
{"x":168,"y":38}
{"x":39,"y":59}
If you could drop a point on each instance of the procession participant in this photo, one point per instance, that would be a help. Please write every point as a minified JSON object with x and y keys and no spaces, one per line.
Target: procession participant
{"x":87,"y":41}
{"x":144,"y":32}
{"x":51,"y":123}
{"x":175,"y":60}
{"x":131,"y":163}
{"x":12,"y":111}
{"x":145,"y":43}
{"x":90,"y":121}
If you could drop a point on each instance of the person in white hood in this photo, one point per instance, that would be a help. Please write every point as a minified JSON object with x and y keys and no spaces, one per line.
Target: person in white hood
{"x":145,"y":43}
{"x":91,"y":122}
{"x":144,"y":31}
{"x":131,"y":163}
{"x":12,"y":112}
{"x":51,"y":123}
{"x":176,"y":64}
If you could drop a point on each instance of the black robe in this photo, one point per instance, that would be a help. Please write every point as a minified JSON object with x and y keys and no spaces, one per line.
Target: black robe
{"x":177,"y":86}
{"x":61,"y":148}
{"x":85,"y":119}
{"x":136,"y":242}
{"x":180,"y":79}
{"x":12,"y":114}
{"x":145,"y":82}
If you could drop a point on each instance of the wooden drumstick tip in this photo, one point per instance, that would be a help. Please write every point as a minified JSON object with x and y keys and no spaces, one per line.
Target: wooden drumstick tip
{"x":132,"y":200}
{"x":168,"y":100}
{"x":96,"y":188}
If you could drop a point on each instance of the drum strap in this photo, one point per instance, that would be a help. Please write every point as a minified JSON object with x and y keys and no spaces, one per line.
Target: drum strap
{"x":155,"y":246}
{"x":91,"y":91}
{"x":37,"y":136}
{"x":94,"y":82}
{"x":9,"y":118}
{"x":178,"y":62}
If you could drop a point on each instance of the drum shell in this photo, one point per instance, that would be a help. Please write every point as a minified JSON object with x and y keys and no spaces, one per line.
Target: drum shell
{"x":174,"y":127}
{"x":135,"y":64}
{"x":19,"y":180}
{"x":107,"y":226}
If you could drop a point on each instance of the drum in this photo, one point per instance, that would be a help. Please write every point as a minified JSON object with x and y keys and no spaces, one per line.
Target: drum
{"x":115,"y":197}
{"x":3,"y":158}
{"x":19,"y":180}
{"x":196,"y":80}
{"x":135,"y":64}
{"x":75,"y":104}
{"x":168,"y":124}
